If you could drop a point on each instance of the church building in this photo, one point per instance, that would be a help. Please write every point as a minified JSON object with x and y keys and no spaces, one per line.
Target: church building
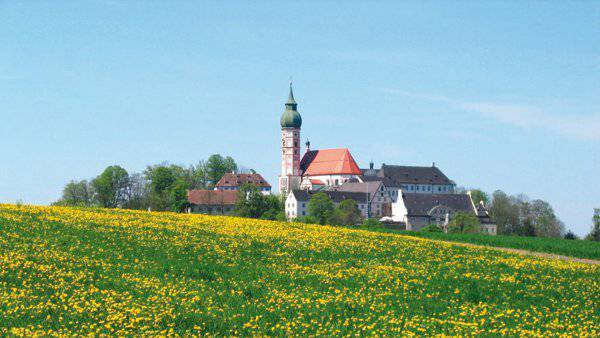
{"x":316,"y":168}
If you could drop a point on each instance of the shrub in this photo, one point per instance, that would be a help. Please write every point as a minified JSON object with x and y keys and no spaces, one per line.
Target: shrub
{"x":432,"y":228}
{"x":372,"y":223}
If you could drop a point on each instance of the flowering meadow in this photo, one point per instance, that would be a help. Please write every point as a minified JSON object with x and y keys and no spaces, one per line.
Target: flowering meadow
{"x":66,"y":271}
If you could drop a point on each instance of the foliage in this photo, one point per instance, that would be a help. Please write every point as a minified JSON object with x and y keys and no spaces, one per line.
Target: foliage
{"x":254,"y":204}
{"x":517,"y":215}
{"x":111,"y":187}
{"x":346,"y":213}
{"x":479,"y":196}
{"x":464,"y":223}
{"x":216,"y":166}
{"x":432,"y":228}
{"x":594,"y":235}
{"x":101,"y":272}
{"x":372,"y":223}
{"x":178,"y":196}
{"x":570,"y":235}
{"x":77,"y":194}
{"x":320,"y":207}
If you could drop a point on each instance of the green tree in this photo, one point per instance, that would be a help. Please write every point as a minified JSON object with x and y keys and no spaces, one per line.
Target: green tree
{"x":77,"y":193}
{"x":178,"y":195}
{"x":111,"y":186}
{"x":504,"y":213}
{"x":251,"y":202}
{"x":320,"y":207}
{"x":479,"y":196}
{"x":594,"y":235}
{"x":216,"y":166}
{"x":274,"y":208}
{"x":346,"y":213}
{"x":464,"y":223}
{"x":162,"y":178}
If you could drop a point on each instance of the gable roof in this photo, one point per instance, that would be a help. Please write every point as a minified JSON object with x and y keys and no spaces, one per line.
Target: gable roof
{"x":212,"y":197}
{"x":421,"y":204}
{"x":414,"y":175}
{"x":336,"y":196}
{"x":235,"y":180}
{"x":371,"y":187}
{"x":329,"y":162}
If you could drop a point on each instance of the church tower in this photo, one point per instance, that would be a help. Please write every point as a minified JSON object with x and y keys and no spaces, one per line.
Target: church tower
{"x":291,"y":121}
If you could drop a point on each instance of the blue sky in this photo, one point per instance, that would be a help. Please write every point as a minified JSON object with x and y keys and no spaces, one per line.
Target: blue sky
{"x":501,"y":95}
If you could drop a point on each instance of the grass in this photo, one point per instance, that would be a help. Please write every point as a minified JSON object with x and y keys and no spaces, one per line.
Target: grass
{"x":558,"y":246}
{"x":72,"y":272}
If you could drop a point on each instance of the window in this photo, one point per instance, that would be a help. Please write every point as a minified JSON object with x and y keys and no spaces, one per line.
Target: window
{"x":303,"y":213}
{"x":303,"y":204}
{"x":417,"y":188}
{"x":429,"y":188}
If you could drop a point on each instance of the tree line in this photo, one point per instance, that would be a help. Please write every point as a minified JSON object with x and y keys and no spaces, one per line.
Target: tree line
{"x":518,"y":215}
{"x":160,"y":187}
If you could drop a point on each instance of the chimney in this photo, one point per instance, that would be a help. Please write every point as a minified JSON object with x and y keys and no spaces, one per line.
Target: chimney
{"x":433,"y":164}
{"x":307,"y":145}
{"x":371,"y":165}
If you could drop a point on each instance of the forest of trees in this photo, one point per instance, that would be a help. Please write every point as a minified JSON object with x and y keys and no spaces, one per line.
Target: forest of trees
{"x":160,"y":187}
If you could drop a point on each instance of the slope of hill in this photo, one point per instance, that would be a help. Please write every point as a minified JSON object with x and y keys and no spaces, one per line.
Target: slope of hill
{"x":74,"y":271}
{"x":557,"y":246}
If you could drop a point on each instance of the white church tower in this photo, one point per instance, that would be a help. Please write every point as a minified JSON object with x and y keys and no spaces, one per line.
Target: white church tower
{"x":291,"y":121}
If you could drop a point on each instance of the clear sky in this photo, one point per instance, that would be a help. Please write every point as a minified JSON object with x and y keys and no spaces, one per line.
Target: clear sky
{"x":501,"y":95}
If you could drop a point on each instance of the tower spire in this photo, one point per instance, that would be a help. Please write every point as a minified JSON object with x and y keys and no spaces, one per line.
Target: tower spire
{"x":291,"y":101}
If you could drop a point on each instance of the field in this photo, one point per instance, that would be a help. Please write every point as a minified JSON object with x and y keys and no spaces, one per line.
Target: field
{"x":558,"y":246}
{"x":92,"y":271}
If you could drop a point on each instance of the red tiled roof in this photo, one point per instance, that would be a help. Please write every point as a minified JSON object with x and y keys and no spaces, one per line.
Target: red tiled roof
{"x":235,"y":180}
{"x":212,"y":197}
{"x":329,"y":162}
{"x":316,"y":182}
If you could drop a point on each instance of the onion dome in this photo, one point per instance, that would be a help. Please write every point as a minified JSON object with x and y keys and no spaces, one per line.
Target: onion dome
{"x":290,"y":117}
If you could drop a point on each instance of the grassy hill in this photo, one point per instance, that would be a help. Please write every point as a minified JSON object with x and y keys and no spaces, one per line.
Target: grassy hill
{"x":75,"y":271}
{"x":558,"y":246}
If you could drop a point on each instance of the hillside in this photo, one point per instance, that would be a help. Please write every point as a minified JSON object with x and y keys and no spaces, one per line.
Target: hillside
{"x":75,"y":271}
{"x":557,"y":246}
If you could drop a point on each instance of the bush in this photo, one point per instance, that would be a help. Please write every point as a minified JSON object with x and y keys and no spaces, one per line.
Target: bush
{"x":432,"y":228}
{"x":464,"y":223}
{"x":372,"y":223}
{"x":570,"y":235}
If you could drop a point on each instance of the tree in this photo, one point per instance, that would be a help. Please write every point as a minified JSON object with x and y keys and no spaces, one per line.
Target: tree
{"x":217,"y":166}
{"x":570,"y":235}
{"x":77,"y":193}
{"x":479,"y":196}
{"x":528,"y":228}
{"x":250,"y":202}
{"x":111,"y":186}
{"x":594,"y":235}
{"x":320,"y":207}
{"x":464,"y":223}
{"x":346,"y":213}
{"x":138,"y":193}
{"x":162,"y":178}
{"x":274,"y":208}
{"x":178,"y":195}
{"x":504,"y":213}
{"x":545,"y":221}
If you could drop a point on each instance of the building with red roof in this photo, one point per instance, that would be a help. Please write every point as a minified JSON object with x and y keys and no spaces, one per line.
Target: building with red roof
{"x":233,"y":181}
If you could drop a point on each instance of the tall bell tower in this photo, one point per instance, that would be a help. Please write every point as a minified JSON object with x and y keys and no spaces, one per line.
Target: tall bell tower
{"x":291,"y":121}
